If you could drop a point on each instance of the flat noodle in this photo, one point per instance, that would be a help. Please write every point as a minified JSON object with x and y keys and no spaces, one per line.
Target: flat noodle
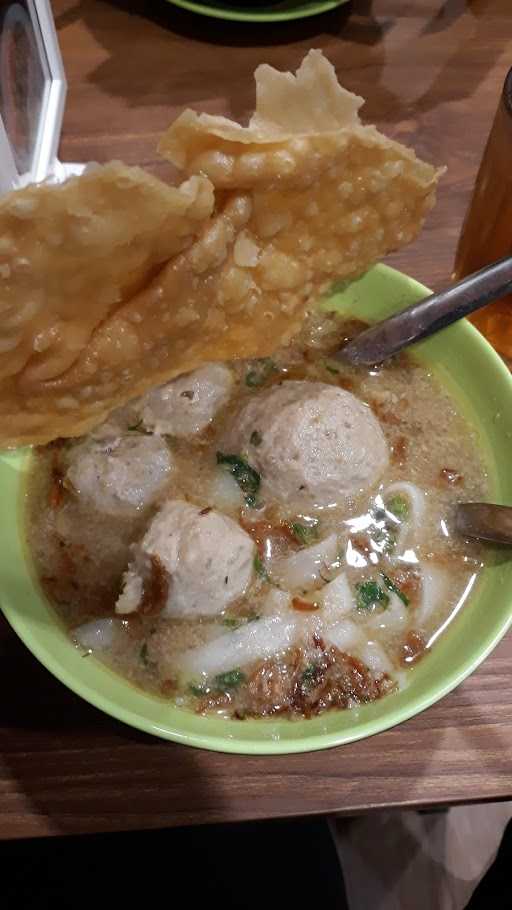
{"x":305,"y":195}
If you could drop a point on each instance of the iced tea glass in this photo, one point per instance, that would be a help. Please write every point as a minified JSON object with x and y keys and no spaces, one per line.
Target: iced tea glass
{"x":487,"y":229}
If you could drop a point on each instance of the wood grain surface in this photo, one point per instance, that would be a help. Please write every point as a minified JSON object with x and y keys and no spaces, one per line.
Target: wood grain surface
{"x":432,"y":72}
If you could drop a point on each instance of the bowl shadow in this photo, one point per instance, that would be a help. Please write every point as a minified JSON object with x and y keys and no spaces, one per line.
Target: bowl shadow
{"x":359,"y":41}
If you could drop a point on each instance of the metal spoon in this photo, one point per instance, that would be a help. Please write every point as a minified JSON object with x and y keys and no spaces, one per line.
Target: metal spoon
{"x":430,"y":315}
{"x":485,"y":521}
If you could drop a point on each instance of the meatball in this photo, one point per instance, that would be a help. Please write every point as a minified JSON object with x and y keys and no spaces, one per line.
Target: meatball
{"x":119,"y":475}
{"x":188,"y":404}
{"x":207,"y":559}
{"x":312,"y":443}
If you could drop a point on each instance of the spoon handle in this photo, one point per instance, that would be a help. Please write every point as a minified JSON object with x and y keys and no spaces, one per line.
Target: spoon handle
{"x":485,"y":521}
{"x":430,"y":315}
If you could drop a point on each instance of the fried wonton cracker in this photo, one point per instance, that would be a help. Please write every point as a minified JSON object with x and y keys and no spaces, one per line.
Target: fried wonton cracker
{"x":69,"y":256}
{"x":305,"y":194}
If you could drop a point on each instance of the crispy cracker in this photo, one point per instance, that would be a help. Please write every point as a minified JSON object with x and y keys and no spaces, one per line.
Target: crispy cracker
{"x":305,"y":194}
{"x":69,"y":256}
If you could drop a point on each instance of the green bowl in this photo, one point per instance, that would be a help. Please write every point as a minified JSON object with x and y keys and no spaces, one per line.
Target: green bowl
{"x":483,"y":387}
{"x":282,"y":11}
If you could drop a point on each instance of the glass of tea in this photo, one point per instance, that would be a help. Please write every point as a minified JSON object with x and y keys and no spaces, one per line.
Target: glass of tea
{"x":487,"y":229}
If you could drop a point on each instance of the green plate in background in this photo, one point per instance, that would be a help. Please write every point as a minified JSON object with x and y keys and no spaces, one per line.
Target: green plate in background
{"x":481,"y":383}
{"x":260,"y":12}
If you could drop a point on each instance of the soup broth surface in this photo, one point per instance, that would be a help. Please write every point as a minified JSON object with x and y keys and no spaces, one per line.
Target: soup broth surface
{"x":344,"y":596}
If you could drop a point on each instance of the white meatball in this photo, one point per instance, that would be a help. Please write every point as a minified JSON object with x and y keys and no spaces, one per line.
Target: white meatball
{"x":188,"y":404}
{"x":120,"y":475}
{"x":312,"y":443}
{"x":207,"y":557}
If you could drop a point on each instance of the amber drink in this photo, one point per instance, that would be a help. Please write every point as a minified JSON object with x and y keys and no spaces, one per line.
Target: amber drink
{"x":487,"y":230}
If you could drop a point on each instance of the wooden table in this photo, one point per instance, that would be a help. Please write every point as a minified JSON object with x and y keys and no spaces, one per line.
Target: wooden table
{"x":432,"y":72}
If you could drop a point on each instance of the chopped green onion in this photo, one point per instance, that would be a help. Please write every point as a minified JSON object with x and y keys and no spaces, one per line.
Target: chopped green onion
{"x":246,"y":477}
{"x":260,"y":372}
{"x":259,"y":567}
{"x":399,"y":507}
{"x":198,"y":691}
{"x":390,"y":584}
{"x":309,"y":675}
{"x":256,"y":438}
{"x":230,"y":680}
{"x":389,"y":542}
{"x":385,"y":538}
{"x":305,"y":534}
{"x":370,"y":594}
{"x":232,"y":622}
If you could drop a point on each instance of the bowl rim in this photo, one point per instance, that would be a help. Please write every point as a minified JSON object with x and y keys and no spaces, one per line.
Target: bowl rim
{"x":309,"y":743}
{"x":233,"y":13}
